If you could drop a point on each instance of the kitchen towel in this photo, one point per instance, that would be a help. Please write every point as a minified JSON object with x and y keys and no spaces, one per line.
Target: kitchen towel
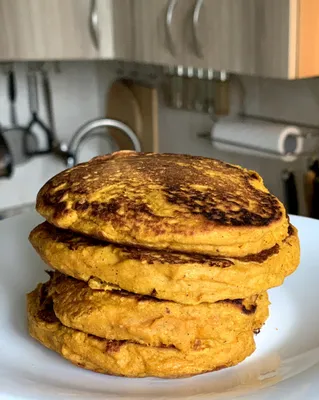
{"x":259,"y":138}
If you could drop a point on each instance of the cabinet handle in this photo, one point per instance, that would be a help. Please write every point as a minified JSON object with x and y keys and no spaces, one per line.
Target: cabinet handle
{"x":94,"y":24}
{"x":168,"y":24}
{"x":196,"y":13}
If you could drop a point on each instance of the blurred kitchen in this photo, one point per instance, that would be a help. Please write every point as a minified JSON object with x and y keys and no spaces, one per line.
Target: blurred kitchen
{"x":230,"y":79}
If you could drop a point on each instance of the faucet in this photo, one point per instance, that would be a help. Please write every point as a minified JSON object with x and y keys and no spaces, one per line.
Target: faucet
{"x":69,"y":152}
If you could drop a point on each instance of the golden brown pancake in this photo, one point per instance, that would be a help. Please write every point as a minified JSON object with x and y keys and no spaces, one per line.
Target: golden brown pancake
{"x":119,"y":315}
{"x":184,"y":278}
{"x":126,"y":358}
{"x":166,"y":201}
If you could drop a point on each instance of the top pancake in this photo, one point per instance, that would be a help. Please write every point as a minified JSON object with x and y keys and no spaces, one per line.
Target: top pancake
{"x":166,"y":201}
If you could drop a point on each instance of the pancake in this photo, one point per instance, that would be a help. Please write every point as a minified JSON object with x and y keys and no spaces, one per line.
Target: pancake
{"x":126,"y":358}
{"x":184,"y":278}
{"x":166,"y":201}
{"x":121,"y":315}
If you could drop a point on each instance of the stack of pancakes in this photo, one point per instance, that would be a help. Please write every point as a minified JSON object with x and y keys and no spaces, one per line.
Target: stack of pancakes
{"x":161,"y":263}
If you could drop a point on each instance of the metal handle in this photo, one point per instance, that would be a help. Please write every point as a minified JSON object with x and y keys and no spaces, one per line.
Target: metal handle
{"x":168,"y":25}
{"x":196,"y":14}
{"x":47,"y":97}
{"x":94,"y":24}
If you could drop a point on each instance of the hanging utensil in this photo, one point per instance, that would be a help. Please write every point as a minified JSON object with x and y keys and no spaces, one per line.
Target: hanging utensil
{"x":48,"y":103}
{"x":200,"y":96}
{"x":14,"y":136}
{"x":209,"y":95}
{"x":32,"y":81}
{"x":12,"y":96}
{"x":290,"y":192}
{"x":176,"y":87}
{"x":222,"y":94}
{"x":6,"y":161}
{"x":189,"y":89}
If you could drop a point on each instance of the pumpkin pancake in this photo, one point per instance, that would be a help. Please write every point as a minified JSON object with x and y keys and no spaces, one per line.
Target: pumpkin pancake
{"x":127,"y":358}
{"x":120,"y":315}
{"x":166,"y":201}
{"x":184,"y":278}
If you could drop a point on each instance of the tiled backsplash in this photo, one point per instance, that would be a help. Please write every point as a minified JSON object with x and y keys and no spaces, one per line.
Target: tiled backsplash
{"x":79,"y":95}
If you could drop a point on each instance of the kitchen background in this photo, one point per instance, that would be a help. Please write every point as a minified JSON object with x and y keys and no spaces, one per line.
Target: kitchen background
{"x":83,"y":80}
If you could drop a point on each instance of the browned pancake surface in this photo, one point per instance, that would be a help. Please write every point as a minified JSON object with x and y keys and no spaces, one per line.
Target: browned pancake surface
{"x":120,"y":315}
{"x":184,"y":278}
{"x":172,"y":201}
{"x":127,"y":358}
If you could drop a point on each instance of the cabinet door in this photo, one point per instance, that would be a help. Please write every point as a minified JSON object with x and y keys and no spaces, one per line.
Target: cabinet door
{"x":158,"y":31}
{"x":45,"y":29}
{"x":242,"y":36}
{"x":115,"y":26}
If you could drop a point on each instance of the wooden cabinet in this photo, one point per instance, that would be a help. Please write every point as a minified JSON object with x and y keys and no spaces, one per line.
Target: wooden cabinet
{"x":63,"y":29}
{"x":158,"y":31}
{"x":304,"y":34}
{"x":256,"y":37}
{"x":115,"y":25}
{"x":272,"y":38}
{"x":241,"y":36}
{"x":45,"y":29}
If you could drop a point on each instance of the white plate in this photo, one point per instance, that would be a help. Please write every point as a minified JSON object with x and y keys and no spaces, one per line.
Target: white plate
{"x":285,"y":365}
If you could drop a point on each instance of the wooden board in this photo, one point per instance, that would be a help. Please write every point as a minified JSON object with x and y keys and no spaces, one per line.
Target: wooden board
{"x":123,"y":106}
{"x":136,"y":105}
{"x":148,"y":102}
